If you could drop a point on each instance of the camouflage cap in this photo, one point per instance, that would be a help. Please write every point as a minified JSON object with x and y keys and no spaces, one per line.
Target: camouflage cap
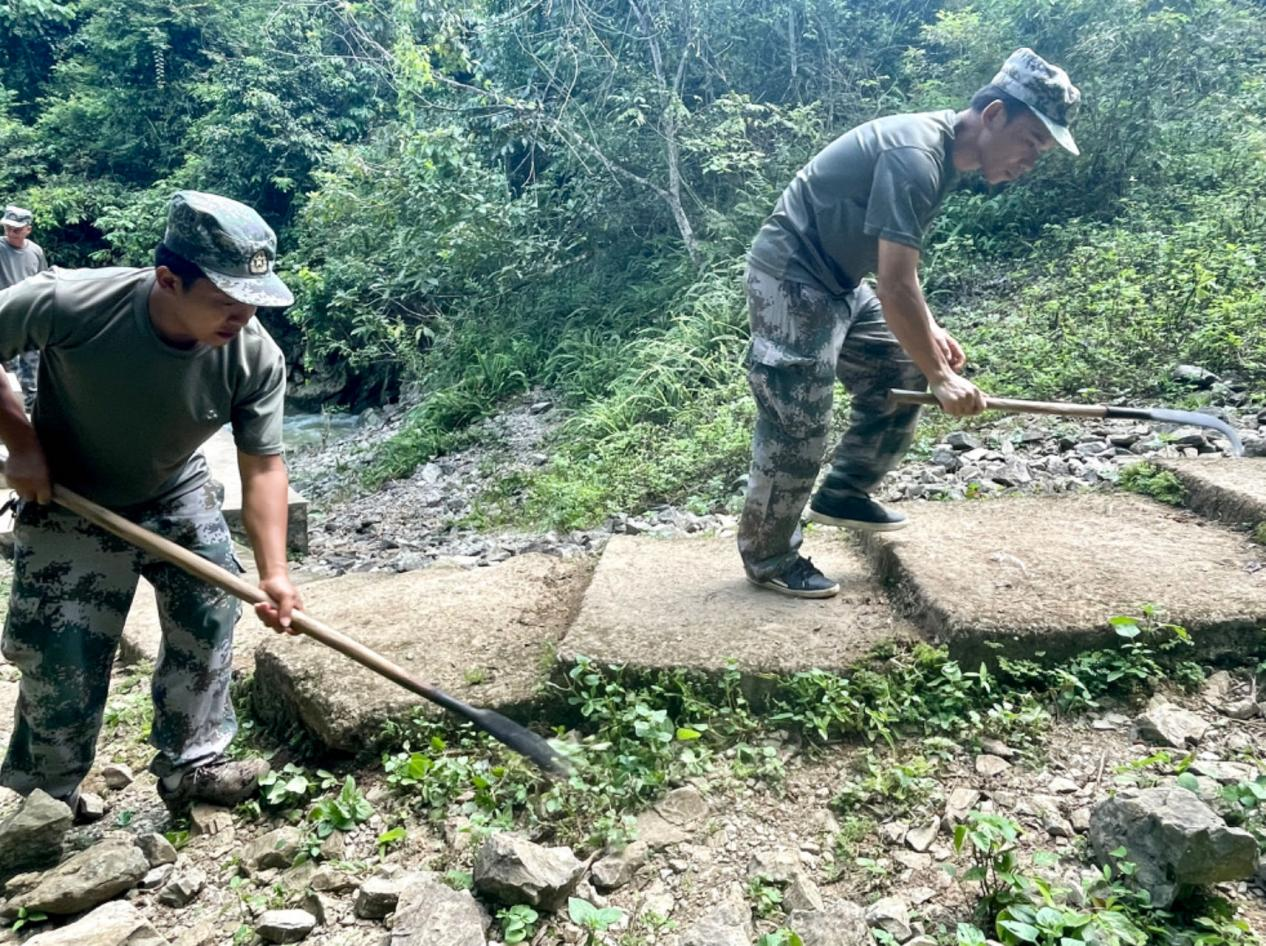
{"x":1045,"y":89}
{"x":230,"y":243}
{"x":15,"y":216}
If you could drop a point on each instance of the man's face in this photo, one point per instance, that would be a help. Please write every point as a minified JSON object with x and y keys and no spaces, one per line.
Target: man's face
{"x":203,"y":313}
{"x":16,"y":236}
{"x":1010,"y":149}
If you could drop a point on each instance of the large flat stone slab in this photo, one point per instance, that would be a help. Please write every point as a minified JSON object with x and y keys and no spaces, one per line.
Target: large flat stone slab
{"x":485,"y":635}
{"x":221,"y":454}
{"x":1047,"y":574}
{"x":657,"y":604}
{"x":1229,"y":489}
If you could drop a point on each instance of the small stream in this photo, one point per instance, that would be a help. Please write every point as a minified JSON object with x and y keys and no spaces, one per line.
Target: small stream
{"x":301,"y":431}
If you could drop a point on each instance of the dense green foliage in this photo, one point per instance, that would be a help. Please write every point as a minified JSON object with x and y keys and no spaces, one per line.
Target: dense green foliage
{"x":485,"y":196}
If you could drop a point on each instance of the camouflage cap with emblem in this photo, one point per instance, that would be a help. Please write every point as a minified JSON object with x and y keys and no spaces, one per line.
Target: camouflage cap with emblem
{"x":230,"y":243}
{"x":15,"y":216}
{"x":1045,"y":89}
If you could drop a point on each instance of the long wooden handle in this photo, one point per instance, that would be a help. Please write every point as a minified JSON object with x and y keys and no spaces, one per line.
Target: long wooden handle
{"x":225,"y":580}
{"x":1007,"y":404}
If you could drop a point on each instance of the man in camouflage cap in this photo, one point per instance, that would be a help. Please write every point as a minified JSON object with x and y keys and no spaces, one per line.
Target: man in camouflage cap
{"x":141,"y":366}
{"x":20,"y":256}
{"x":860,"y":208}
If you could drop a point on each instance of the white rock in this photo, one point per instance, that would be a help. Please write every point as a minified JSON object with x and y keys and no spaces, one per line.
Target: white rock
{"x":892,"y":915}
{"x":991,"y":765}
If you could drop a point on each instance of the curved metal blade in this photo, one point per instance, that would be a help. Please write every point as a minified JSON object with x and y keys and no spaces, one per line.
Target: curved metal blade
{"x":1195,"y":418}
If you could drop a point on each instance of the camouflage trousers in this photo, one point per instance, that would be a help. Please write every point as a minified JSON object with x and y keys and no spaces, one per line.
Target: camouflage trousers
{"x":73,"y":584}
{"x":802,"y":341}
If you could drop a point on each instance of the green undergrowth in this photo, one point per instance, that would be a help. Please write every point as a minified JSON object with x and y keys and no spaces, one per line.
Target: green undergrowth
{"x":653,"y":384}
{"x":1022,"y":902}
{"x":633,"y":736}
{"x":904,"y":712}
{"x":1100,"y":311}
{"x":1147,"y":479}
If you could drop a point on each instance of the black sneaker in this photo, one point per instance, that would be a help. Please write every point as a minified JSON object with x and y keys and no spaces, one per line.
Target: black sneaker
{"x":801,"y":580}
{"x":221,"y":783}
{"x":855,"y":512}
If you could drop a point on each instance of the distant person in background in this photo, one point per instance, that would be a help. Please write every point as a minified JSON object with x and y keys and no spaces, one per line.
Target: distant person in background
{"x":141,"y":367}
{"x":861,"y":207}
{"x":20,"y":256}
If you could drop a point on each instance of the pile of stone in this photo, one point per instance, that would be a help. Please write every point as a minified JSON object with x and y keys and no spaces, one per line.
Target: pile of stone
{"x":40,"y":879}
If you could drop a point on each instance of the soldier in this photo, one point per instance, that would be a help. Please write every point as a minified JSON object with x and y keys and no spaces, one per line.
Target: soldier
{"x":861,"y":207}
{"x":21,"y":257}
{"x":141,"y":366}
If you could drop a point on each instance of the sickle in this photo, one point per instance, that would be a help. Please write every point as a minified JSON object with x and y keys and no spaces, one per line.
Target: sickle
{"x":1157,"y":415}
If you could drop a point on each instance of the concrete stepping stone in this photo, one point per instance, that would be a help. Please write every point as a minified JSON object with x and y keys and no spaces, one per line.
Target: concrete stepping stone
{"x":484,"y":635}
{"x":221,"y":455}
{"x":1048,"y":573}
{"x":1228,"y":489}
{"x":684,"y":603}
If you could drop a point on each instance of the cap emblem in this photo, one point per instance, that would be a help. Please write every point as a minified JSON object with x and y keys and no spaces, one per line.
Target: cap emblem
{"x":258,"y":264}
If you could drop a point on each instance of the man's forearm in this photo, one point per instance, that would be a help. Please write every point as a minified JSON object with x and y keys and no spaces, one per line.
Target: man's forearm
{"x":265,"y":495}
{"x":15,"y":428}
{"x":907,"y":316}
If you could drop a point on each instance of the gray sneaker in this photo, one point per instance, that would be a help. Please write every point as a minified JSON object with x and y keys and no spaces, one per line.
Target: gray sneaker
{"x":220,"y":782}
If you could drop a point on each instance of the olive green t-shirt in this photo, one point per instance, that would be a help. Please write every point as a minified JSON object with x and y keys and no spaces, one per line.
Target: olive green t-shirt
{"x":882,"y":180}
{"x":120,"y":412}
{"x":16,"y":265}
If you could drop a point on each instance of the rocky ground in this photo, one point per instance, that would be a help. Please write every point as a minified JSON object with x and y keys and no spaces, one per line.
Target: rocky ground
{"x":413,"y":522}
{"x":711,"y":867}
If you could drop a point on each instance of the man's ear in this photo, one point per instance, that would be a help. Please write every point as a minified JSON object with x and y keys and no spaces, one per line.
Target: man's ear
{"x":167,"y":280}
{"x":994,"y":115}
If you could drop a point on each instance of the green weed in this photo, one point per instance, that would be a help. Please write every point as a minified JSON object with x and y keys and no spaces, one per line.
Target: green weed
{"x":593,"y":920}
{"x":1025,"y":907}
{"x":765,"y":897}
{"x":518,"y":923}
{"x":26,"y":918}
{"x":342,"y":812}
{"x":888,"y":786}
{"x":1150,"y":480}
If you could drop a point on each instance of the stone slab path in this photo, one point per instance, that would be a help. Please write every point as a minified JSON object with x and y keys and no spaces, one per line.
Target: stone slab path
{"x":1024,"y":575}
{"x":485,"y":635}
{"x":1228,"y":490}
{"x":662,"y":603}
{"x":1047,"y":574}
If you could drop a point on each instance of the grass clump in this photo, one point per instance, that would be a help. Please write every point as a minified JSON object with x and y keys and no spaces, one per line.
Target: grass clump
{"x":1147,"y":479}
